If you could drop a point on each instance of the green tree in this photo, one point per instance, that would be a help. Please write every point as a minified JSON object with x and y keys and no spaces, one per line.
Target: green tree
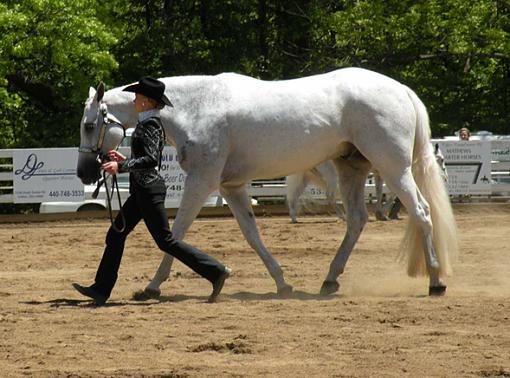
{"x":50,"y":51}
{"x":455,"y":54}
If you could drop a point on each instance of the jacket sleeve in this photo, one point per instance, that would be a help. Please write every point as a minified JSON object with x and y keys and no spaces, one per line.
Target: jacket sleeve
{"x":151,"y":139}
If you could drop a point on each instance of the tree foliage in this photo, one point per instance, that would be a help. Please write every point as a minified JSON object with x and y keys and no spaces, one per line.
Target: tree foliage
{"x":454,"y":54}
{"x":50,"y":52}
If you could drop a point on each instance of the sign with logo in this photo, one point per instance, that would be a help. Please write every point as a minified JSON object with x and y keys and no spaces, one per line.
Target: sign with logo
{"x":44,"y":175}
{"x":174,"y":177}
{"x":500,"y":150}
{"x":468,"y":164}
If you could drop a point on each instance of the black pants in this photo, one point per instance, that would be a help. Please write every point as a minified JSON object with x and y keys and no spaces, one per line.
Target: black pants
{"x":150,"y":208}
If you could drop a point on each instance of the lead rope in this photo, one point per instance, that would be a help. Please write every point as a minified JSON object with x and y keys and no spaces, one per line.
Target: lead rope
{"x":109,"y":196}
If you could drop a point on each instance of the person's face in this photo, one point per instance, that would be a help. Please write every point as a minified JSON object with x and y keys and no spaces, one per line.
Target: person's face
{"x":464,"y":135}
{"x":142,"y":103}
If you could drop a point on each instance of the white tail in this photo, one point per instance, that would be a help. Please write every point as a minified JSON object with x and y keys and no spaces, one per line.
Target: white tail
{"x":431,"y":185}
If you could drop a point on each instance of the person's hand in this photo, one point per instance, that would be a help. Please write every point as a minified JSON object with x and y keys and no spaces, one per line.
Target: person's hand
{"x":111,"y":167}
{"x":115,"y":156}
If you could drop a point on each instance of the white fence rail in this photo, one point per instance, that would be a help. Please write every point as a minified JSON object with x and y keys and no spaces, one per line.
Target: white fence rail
{"x":499,"y":185}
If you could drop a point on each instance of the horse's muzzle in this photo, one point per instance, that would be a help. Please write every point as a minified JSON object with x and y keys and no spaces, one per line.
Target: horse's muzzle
{"x":88,"y":169}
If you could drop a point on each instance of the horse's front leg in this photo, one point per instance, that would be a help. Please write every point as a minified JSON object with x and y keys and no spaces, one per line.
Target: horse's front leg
{"x":239,"y":202}
{"x":196,"y":190}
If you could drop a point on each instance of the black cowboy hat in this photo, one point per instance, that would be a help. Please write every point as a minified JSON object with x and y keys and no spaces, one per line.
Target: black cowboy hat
{"x":150,"y":87}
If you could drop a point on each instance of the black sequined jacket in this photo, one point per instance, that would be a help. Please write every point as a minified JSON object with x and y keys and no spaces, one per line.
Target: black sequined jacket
{"x":147,"y":142}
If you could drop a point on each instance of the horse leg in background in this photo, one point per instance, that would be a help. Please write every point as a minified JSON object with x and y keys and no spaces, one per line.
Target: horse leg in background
{"x":379,"y":210}
{"x":328,"y":175}
{"x":295,"y":186}
{"x":324,"y":176}
{"x":352,"y":175}
{"x":395,"y":206}
{"x":196,"y":191}
{"x":239,"y":202}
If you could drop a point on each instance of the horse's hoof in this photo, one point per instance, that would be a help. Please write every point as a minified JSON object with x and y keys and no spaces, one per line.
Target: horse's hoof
{"x":437,"y":290}
{"x":148,"y":293}
{"x":329,"y":287}
{"x":152,"y":293}
{"x":285,"y":291}
{"x":380,"y":216}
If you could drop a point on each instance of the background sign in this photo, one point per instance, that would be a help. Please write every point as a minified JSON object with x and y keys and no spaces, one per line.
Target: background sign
{"x":174,"y":177}
{"x":315,"y":192}
{"x":500,"y":150}
{"x":468,"y":165}
{"x":43,"y":175}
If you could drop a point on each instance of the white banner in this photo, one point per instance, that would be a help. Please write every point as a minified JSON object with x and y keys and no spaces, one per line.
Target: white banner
{"x":174,"y":177}
{"x":468,"y":164}
{"x":43,"y":175}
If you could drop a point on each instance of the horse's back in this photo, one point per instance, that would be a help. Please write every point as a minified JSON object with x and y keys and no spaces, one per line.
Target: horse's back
{"x":296,"y":124}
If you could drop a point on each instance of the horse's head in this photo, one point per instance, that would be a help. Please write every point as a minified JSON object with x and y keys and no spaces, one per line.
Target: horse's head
{"x":100,"y":132}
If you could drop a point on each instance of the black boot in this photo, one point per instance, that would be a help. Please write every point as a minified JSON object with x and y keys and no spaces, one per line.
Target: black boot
{"x":218,"y":285}
{"x":88,"y":291}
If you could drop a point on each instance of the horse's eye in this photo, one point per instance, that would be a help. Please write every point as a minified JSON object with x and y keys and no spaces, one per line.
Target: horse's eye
{"x":89,"y":125}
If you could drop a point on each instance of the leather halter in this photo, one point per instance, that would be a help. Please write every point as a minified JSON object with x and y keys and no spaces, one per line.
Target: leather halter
{"x":107,"y":120}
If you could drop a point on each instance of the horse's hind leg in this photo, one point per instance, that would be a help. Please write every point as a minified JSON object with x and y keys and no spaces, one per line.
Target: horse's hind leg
{"x":419,"y":212}
{"x":239,"y":202}
{"x":352,"y":174}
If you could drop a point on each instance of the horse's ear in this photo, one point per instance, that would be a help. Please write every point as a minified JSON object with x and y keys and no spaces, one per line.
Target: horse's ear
{"x":92,"y":92}
{"x":436,"y":148}
{"x":100,"y":92}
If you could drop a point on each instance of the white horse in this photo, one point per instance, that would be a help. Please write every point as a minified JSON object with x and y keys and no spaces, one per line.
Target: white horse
{"x":229,"y":129}
{"x":325,"y":176}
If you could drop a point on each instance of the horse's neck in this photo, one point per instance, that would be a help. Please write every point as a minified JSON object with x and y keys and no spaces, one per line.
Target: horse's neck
{"x":189,"y":95}
{"x":193,"y":97}
{"x":120,"y":104}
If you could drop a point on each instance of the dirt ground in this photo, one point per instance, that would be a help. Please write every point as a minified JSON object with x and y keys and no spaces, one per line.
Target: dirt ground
{"x":380,"y":324}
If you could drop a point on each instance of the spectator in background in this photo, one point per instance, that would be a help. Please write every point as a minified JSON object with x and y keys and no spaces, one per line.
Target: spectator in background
{"x":464,"y":134}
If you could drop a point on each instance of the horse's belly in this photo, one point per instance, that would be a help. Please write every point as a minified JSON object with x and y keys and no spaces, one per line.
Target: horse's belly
{"x":274,"y":158}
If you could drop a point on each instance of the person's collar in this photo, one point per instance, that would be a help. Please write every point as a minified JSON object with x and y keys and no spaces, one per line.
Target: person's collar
{"x":148,"y":114}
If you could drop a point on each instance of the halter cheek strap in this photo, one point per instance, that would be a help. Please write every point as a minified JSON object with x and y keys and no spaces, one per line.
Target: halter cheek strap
{"x":108,"y":120}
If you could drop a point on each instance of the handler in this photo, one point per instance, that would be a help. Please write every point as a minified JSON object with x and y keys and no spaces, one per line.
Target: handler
{"x":147,"y":199}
